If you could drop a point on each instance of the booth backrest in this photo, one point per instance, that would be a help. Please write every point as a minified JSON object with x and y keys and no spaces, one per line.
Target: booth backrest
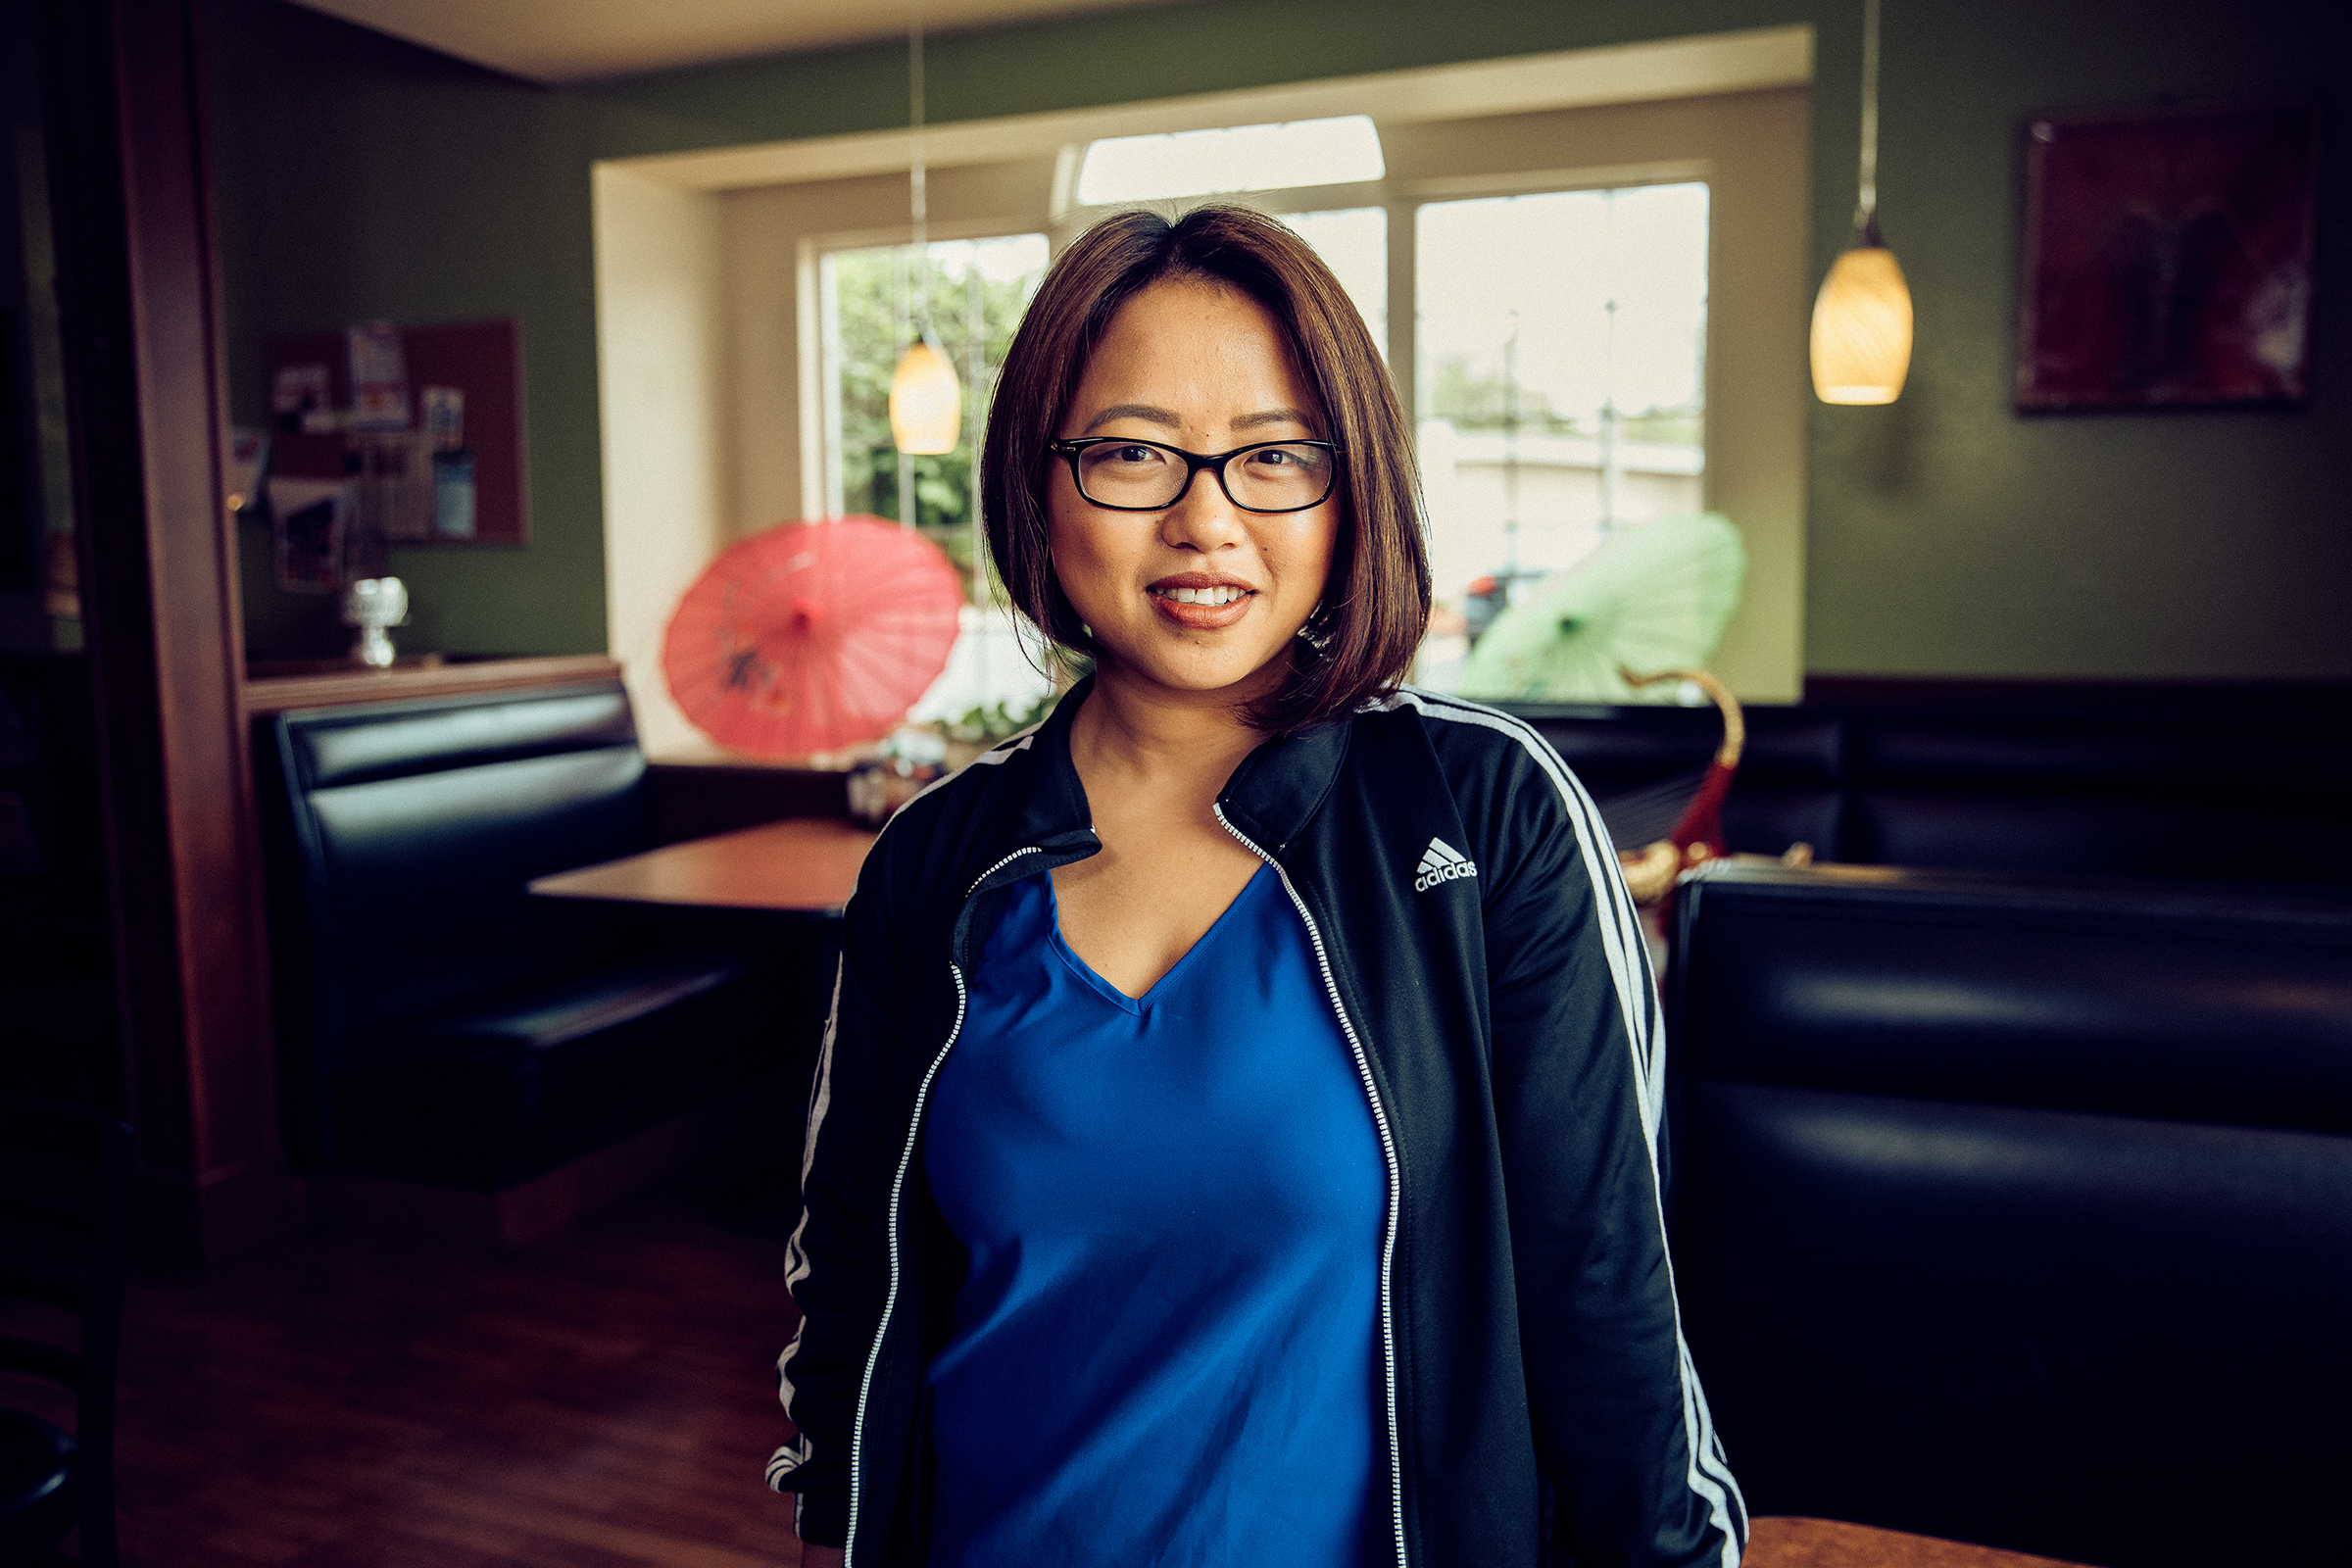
{"x":2105,"y":790}
{"x":2021,"y":1211}
{"x":407,"y":832}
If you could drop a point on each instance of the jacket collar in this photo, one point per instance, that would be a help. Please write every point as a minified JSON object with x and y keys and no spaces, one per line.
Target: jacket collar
{"x":1274,"y":793}
{"x":1053,"y":806}
{"x":1269,"y":799}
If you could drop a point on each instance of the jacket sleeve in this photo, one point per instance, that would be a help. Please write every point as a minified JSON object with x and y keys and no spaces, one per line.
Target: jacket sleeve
{"x":837,"y":1263}
{"x":1622,"y":1429}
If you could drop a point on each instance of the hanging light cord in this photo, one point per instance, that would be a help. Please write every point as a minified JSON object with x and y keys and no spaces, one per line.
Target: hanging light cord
{"x":1866,"y":210}
{"x":917,"y":194}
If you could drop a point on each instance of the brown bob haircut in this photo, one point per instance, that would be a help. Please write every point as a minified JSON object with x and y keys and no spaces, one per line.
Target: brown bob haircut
{"x":1375,"y":600}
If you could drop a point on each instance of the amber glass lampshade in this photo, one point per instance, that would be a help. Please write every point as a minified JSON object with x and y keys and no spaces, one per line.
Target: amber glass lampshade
{"x":1862,"y":327}
{"x":926,"y":404}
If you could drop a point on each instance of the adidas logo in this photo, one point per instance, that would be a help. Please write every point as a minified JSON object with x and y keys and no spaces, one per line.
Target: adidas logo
{"x":1441,"y":862}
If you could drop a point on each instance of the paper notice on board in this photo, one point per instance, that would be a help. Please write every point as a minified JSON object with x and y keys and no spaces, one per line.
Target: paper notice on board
{"x":393,"y":496}
{"x":301,"y":399}
{"x":453,"y":493}
{"x":379,"y":377}
{"x":444,"y":416}
{"x":308,"y":521}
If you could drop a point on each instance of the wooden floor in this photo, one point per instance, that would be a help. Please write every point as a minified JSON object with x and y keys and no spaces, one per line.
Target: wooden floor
{"x":604,"y":1398}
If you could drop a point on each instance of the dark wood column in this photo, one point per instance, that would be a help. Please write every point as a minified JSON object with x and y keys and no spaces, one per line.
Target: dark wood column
{"x":139,"y":300}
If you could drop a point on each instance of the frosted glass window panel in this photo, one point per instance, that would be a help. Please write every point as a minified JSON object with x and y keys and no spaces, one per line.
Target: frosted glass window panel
{"x":1550,"y":265}
{"x":1014,"y":260}
{"x":1353,"y":243}
{"x":1562,"y":376}
{"x":1204,"y":162}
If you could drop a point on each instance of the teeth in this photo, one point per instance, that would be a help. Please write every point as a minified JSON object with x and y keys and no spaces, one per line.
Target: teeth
{"x":1203,"y":596}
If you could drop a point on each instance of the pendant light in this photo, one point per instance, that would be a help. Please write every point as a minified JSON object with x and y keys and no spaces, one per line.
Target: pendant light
{"x":926,"y":405}
{"x":1862,"y":317}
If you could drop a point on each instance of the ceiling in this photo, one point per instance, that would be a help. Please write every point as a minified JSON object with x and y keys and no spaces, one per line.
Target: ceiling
{"x":558,"y":42}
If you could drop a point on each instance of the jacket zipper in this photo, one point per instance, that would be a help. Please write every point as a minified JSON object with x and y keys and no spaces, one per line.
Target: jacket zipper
{"x":1387,"y":1151}
{"x":898,"y":1185}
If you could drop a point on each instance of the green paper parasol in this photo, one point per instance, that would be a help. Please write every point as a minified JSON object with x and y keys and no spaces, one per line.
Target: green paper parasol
{"x":1654,"y":597}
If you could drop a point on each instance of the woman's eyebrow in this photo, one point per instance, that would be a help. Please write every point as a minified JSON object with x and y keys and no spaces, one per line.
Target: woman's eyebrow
{"x":1251,"y":421}
{"x":1134,"y":411}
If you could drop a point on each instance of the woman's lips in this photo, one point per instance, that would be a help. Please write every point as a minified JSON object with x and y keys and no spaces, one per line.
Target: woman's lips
{"x":1197,"y":616}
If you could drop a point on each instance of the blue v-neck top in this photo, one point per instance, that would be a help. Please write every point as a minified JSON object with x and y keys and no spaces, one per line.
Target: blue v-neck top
{"x":1166,"y":1349}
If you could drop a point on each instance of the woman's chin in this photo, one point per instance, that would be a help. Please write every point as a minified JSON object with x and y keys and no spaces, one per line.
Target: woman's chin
{"x":1230,"y":675}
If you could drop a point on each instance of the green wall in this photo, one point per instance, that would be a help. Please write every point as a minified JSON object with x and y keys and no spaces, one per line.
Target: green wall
{"x":1949,"y":537}
{"x":357,"y":178}
{"x":360,"y":176}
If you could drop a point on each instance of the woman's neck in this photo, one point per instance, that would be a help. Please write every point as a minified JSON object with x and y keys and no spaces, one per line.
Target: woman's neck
{"x":1131,"y":735}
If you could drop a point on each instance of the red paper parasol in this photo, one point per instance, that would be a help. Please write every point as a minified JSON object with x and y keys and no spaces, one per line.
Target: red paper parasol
{"x":812,"y":636}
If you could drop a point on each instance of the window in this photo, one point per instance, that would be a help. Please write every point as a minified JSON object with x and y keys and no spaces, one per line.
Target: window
{"x":870,"y":302}
{"x":1562,"y":372}
{"x":872,"y":299}
{"x":1353,"y":243}
{"x":1560,"y":339}
{"x":1231,"y":158}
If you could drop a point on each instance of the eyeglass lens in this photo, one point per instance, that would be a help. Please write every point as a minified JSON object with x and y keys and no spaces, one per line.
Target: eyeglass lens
{"x":1281,"y":477}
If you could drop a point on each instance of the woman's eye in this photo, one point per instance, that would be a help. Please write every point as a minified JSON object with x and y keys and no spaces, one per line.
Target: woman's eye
{"x":1292,"y":458}
{"x":1131,"y":456}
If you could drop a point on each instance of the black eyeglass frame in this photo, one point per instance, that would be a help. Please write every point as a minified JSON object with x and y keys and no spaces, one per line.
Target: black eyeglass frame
{"x":1194,"y":462}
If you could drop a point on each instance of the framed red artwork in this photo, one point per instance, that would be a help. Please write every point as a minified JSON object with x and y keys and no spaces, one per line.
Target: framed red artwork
{"x":2168,"y":256}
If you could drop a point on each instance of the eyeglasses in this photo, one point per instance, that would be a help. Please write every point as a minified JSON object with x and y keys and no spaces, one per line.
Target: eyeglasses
{"x":1128,"y":475}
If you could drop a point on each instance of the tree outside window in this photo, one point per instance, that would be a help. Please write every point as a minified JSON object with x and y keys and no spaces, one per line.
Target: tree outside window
{"x":871,"y":310}
{"x":978,"y":290}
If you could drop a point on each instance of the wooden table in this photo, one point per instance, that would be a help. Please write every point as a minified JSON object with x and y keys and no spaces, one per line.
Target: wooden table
{"x":329,"y":683}
{"x":804,"y":864}
{"x":1783,"y":1542}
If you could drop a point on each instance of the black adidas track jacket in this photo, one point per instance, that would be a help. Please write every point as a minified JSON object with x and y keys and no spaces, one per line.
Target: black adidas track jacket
{"x":1487,"y":968}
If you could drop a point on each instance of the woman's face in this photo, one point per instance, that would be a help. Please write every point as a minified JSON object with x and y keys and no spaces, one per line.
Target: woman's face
{"x":1203,"y":368}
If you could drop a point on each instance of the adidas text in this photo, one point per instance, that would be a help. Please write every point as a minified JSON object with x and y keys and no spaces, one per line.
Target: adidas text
{"x":1447,"y":873}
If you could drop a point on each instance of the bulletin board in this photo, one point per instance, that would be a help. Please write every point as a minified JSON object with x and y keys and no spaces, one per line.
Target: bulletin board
{"x":482,"y":360}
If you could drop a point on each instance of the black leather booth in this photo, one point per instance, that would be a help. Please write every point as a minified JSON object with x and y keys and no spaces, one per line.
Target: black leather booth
{"x":2020,"y":1212}
{"x":2162,"y":784}
{"x":438,"y":1022}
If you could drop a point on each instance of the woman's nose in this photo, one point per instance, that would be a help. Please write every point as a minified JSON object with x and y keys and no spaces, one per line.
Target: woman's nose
{"x":1203,"y":517}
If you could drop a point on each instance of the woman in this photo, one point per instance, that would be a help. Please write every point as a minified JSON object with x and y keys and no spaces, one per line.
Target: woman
{"x":1234,"y":1140}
